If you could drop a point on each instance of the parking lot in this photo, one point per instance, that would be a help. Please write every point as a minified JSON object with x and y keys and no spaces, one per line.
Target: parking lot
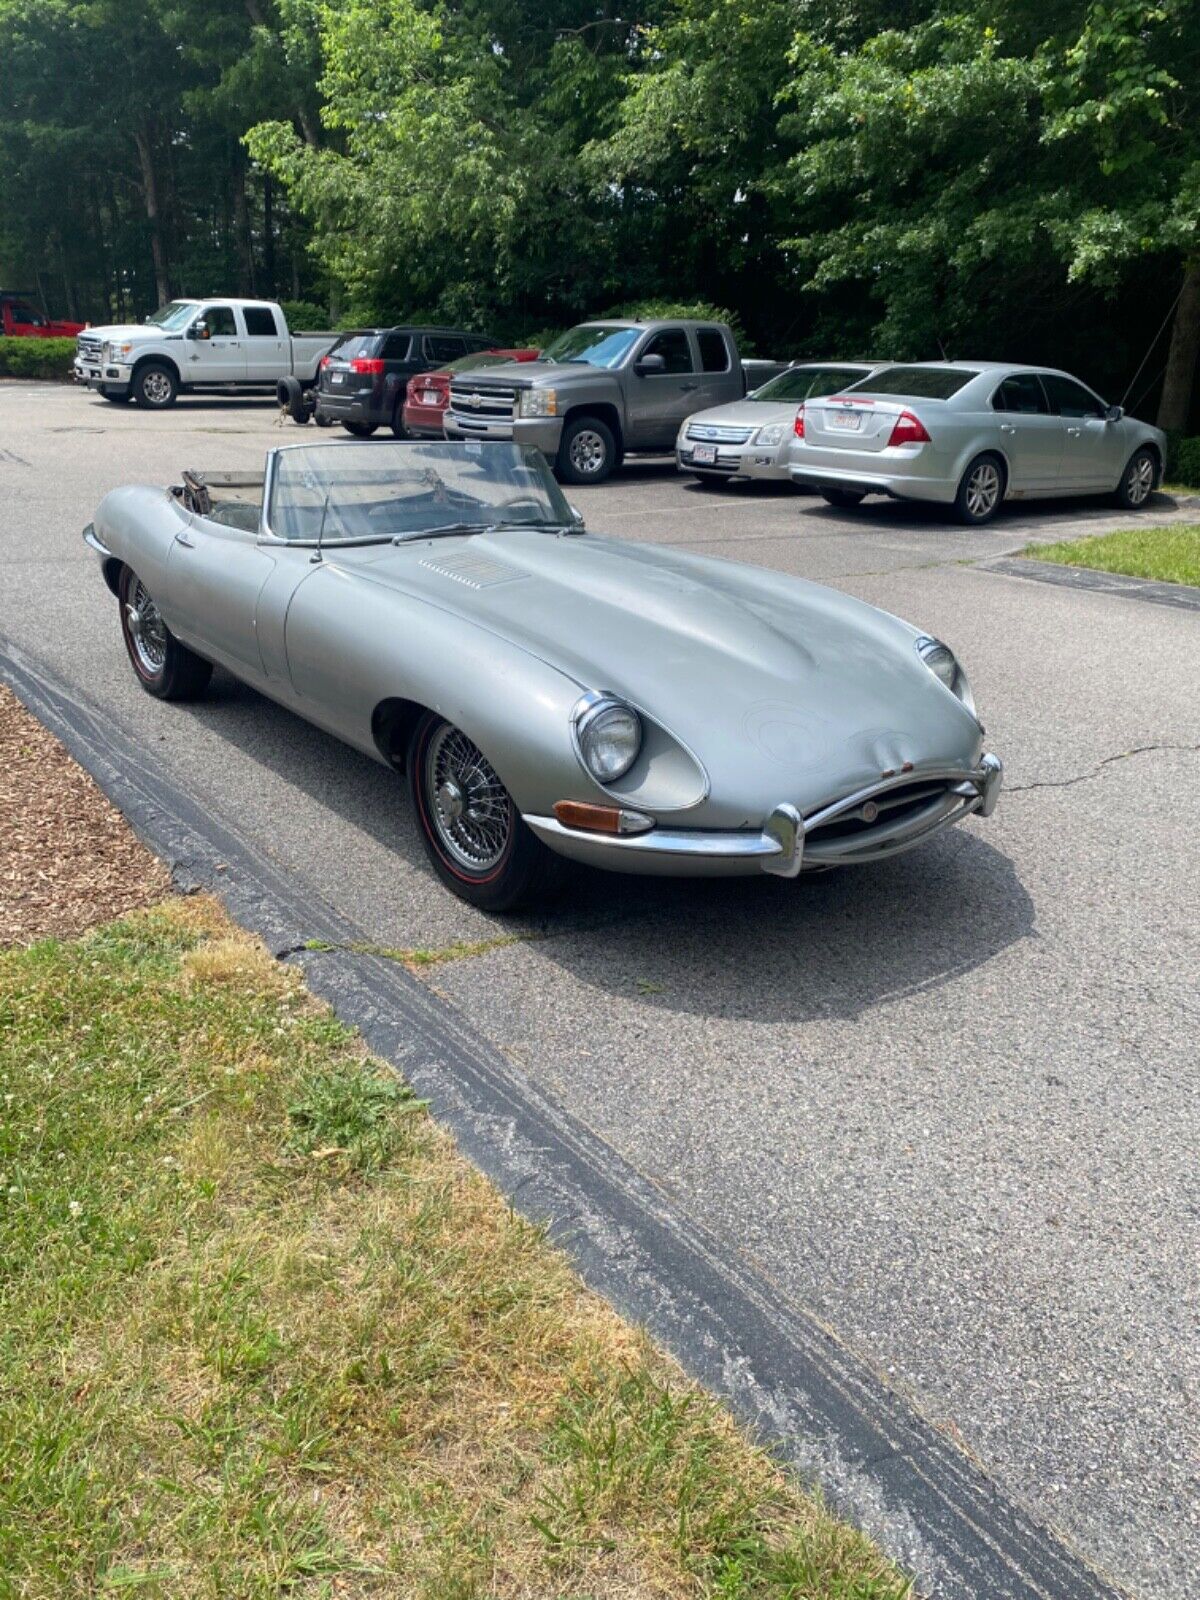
{"x":949,"y":1103}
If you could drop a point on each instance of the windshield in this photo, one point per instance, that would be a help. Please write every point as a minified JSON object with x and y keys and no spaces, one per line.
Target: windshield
{"x":376,"y":492}
{"x":173,"y":316}
{"x":25,"y":313}
{"x":472,"y":363}
{"x":593,"y":344}
{"x":805,"y":383}
{"x":918,"y":383}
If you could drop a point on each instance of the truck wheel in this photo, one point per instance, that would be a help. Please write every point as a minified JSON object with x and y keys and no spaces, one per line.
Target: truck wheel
{"x":290,"y":394}
{"x":117,"y":397}
{"x":165,"y":668}
{"x":155,"y":386}
{"x":360,"y":430}
{"x":587,"y":451}
{"x":479,"y":845}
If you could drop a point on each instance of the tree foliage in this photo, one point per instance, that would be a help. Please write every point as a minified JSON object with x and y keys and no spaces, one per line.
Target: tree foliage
{"x":848,"y":176}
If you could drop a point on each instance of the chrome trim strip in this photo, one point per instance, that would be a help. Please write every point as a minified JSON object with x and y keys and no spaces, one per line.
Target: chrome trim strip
{"x":665,"y":841}
{"x":93,"y":541}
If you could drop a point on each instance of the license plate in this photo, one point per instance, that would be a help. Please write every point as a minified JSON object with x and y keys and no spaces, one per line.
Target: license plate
{"x":337,"y":377}
{"x":706,"y":454}
{"x":847,"y":421}
{"x":430,"y":397}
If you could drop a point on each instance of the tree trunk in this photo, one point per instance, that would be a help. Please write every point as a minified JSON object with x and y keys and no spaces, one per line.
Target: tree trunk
{"x":1175,"y":406}
{"x":145,"y":150}
{"x":268,"y":233}
{"x":241,"y":232}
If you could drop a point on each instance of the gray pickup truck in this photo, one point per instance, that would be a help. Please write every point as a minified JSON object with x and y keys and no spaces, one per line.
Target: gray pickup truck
{"x":600,"y":391}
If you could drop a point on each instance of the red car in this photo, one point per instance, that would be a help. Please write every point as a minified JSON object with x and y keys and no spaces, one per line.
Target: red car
{"x":428,"y":394}
{"x":18,"y":320}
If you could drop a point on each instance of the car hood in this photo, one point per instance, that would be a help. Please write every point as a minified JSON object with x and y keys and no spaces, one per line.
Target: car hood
{"x":782,"y":687}
{"x":533,"y":374}
{"x":745,"y":413}
{"x":126,"y":331}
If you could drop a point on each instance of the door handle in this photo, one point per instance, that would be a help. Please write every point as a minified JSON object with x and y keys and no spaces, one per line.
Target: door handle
{"x":686,"y":388}
{"x":182,"y":538}
{"x":1074,"y":433}
{"x":1008,"y":427}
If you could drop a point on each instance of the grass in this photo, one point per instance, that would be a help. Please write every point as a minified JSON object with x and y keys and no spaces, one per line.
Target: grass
{"x":263,"y":1331}
{"x":1169,"y":553}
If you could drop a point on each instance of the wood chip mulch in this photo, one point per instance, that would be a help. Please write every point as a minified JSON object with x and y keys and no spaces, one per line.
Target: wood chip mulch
{"x":68,"y":858}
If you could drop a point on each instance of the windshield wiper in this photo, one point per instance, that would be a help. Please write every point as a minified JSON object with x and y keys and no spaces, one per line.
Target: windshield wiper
{"x":444,"y":530}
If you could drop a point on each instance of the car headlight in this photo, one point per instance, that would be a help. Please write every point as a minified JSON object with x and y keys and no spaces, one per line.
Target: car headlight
{"x":539,"y":403}
{"x":608,"y":734}
{"x":772,"y":434}
{"x":943,"y":663}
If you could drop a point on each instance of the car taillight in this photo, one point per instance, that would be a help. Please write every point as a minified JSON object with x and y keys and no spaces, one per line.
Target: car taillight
{"x":798,"y":425}
{"x":908,"y":430}
{"x":369,"y":364}
{"x":323,"y":363}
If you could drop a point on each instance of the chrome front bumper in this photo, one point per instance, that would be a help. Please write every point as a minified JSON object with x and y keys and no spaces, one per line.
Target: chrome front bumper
{"x":788,"y":842}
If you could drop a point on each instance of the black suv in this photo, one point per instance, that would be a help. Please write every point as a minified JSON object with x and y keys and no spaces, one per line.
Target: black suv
{"x":362,"y":381}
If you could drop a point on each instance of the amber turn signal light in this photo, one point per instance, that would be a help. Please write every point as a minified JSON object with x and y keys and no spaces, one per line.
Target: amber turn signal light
{"x":600,"y":819}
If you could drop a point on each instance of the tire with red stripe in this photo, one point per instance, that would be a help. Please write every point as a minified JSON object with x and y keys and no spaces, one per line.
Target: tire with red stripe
{"x":474,"y":835}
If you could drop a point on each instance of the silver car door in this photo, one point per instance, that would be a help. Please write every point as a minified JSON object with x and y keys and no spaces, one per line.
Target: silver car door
{"x":1088,"y":437}
{"x":219,"y":356}
{"x":1030,"y":436}
{"x":659,"y":401}
{"x":214,"y":575}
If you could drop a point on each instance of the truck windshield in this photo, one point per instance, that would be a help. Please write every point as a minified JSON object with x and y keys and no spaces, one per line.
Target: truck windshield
{"x":363,"y":493}
{"x":593,"y":345}
{"x":174,"y":316}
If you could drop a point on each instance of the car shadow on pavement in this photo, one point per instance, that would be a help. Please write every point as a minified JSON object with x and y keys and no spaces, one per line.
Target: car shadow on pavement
{"x":828,"y":945}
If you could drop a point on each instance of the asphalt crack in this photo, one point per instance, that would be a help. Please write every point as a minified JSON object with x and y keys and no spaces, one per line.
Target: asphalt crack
{"x":1094,"y":772}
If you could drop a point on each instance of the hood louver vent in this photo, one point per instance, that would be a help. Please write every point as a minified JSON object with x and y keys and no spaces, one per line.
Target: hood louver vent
{"x":475,"y":570}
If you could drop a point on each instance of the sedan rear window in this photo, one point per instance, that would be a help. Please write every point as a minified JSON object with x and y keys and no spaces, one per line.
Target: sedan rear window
{"x":806,"y":383}
{"x":919,"y":383}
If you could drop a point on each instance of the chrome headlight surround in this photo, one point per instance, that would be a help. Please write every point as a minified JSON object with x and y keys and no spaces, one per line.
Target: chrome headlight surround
{"x":944,"y":665}
{"x":773,"y":433}
{"x":607,"y":734}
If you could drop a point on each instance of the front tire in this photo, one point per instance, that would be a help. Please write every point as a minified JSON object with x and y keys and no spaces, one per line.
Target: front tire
{"x":360,"y":430}
{"x":587,"y":451}
{"x":117,"y":397}
{"x":472,"y":832}
{"x":1137,"y":481}
{"x":980,"y":491}
{"x":399,"y":431}
{"x":155,"y":386}
{"x":165,"y":668}
{"x":843,"y":499}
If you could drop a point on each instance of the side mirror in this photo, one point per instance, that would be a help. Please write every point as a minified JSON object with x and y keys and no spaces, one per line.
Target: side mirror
{"x":199,"y":330}
{"x":649,"y":364}
{"x":1114,"y":413}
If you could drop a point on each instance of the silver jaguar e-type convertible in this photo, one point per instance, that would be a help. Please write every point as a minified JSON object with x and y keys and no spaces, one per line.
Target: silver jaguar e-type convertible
{"x":548,"y":692}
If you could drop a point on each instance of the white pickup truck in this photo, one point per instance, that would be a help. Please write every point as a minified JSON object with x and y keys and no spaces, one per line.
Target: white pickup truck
{"x":197,"y":344}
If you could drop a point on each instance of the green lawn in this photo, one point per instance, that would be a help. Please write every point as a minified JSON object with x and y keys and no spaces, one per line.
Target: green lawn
{"x":264,"y":1332}
{"x":1170,"y":553}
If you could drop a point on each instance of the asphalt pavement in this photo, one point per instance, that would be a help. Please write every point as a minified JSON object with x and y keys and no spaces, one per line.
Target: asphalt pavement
{"x":949,"y":1103}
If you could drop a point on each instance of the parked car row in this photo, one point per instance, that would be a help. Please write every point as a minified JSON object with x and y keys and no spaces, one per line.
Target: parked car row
{"x":966,"y":434}
{"x":19,"y":319}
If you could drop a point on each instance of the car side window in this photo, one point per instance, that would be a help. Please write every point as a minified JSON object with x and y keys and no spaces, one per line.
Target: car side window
{"x":440,"y":347}
{"x":714,"y":353}
{"x":672,"y":345}
{"x":831,"y":380}
{"x":260,"y":322}
{"x":1071,"y":399}
{"x":219,"y":321}
{"x":1022,"y":392}
{"x":395,"y":347}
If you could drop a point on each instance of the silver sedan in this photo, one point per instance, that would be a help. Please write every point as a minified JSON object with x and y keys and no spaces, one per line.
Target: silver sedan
{"x":749,"y":438}
{"x":971,"y":434}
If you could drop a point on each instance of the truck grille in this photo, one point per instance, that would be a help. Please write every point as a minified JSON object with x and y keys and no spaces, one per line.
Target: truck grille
{"x":89,"y":346}
{"x":717,"y":433}
{"x":483,"y":403}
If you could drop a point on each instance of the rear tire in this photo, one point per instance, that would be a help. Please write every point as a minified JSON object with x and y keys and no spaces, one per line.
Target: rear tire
{"x":155,"y":386}
{"x":1137,"y":481}
{"x":587,"y":451}
{"x":479,"y":846}
{"x":165,"y":668}
{"x":360,"y":430}
{"x":980,"y":491}
{"x":843,"y":499}
{"x":290,"y":394}
{"x":399,"y":431}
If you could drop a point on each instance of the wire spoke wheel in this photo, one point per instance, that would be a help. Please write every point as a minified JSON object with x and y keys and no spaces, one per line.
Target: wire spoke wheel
{"x":469,"y":807}
{"x":983,"y":490}
{"x":147,"y":630}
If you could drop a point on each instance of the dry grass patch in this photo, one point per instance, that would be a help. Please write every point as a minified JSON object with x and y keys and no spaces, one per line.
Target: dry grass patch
{"x":68,"y":858}
{"x":263,"y":1331}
